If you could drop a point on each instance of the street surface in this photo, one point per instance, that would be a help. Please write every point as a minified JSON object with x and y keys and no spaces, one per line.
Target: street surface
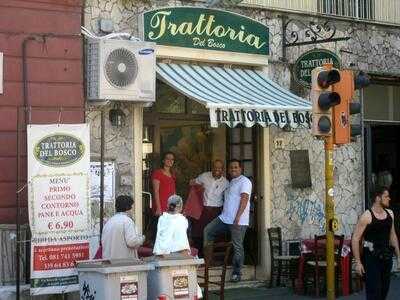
{"x":287,"y":294}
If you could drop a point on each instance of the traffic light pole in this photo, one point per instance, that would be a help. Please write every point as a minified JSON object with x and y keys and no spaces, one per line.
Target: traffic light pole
{"x":329,"y":216}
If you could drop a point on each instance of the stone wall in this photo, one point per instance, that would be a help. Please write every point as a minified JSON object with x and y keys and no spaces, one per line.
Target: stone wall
{"x":300,"y":212}
{"x":118,"y":147}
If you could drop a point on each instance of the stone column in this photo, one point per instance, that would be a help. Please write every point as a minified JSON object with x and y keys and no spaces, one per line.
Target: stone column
{"x":265,"y":207}
{"x":137,"y":125}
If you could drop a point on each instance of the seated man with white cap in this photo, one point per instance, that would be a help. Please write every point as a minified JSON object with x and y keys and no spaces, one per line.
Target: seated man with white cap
{"x":172,"y":230}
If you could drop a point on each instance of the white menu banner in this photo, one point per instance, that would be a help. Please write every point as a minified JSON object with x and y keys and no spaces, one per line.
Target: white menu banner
{"x":59,"y":204}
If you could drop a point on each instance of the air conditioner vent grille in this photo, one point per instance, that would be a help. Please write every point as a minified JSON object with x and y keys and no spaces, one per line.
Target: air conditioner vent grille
{"x":121,"y":67}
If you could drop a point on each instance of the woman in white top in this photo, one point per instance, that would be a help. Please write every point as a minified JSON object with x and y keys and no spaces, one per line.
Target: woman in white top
{"x":172,"y":230}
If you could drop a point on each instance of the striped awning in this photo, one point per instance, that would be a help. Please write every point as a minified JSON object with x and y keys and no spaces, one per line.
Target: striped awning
{"x":237,"y":95}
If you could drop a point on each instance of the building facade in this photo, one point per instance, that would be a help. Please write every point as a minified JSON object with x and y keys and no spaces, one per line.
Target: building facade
{"x":55,"y":93}
{"x":373,"y":47}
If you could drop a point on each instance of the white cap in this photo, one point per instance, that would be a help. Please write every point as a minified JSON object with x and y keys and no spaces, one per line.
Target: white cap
{"x":175,"y":200}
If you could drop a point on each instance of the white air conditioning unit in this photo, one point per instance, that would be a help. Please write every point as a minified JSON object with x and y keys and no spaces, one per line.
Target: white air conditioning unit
{"x":121,"y":70}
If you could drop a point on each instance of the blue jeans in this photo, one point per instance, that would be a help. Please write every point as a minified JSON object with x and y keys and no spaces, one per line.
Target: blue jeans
{"x":217,"y":227}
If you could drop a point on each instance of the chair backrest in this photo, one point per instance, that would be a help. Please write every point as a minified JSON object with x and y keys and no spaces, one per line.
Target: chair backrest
{"x":339,"y":239}
{"x":217,"y":254}
{"x":275,"y":241}
{"x":319,"y":250}
{"x":320,"y":247}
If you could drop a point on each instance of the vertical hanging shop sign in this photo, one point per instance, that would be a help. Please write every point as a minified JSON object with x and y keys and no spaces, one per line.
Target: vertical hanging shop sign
{"x":59,"y":207}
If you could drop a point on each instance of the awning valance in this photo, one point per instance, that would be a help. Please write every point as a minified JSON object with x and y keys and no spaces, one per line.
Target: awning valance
{"x":235,"y":95}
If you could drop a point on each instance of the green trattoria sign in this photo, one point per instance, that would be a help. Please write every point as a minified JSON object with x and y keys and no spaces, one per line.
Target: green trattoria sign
{"x":203,"y":28}
{"x":310,"y":60}
{"x":59,"y":150}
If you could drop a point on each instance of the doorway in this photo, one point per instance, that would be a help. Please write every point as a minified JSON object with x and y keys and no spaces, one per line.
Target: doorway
{"x":382,"y":164}
{"x":383,"y":159}
{"x":242,"y":145}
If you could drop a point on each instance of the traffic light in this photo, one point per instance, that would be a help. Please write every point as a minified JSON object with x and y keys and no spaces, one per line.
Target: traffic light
{"x":343,"y":129}
{"x":341,"y":112}
{"x":323,"y":99}
{"x":361,"y":80}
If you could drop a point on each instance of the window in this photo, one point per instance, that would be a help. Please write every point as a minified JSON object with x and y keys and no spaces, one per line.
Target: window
{"x":198,"y":108}
{"x":241,"y":147}
{"x":382,"y":103}
{"x":361,"y":9}
{"x":396,"y":103}
{"x":170,"y":101}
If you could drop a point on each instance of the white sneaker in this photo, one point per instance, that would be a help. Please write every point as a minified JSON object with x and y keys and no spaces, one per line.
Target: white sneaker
{"x":235,"y":278}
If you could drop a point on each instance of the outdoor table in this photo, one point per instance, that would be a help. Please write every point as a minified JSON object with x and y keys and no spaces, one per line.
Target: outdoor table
{"x":307,"y":247}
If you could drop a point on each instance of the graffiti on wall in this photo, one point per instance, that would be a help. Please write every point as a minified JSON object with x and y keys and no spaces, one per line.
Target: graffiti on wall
{"x":307,"y":212}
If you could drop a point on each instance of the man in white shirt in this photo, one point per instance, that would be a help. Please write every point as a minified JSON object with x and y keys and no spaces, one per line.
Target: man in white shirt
{"x":214,"y":184}
{"x":120,"y":238}
{"x":234,"y":216}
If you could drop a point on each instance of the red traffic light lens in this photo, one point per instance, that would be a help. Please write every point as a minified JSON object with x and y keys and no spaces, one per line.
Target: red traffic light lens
{"x":327,"y":78}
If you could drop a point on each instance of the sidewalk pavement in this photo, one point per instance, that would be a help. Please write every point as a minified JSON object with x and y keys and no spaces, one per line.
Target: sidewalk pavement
{"x":258,"y":293}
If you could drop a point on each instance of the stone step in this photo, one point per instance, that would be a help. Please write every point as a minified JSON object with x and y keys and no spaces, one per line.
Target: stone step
{"x":248,"y":273}
{"x":245,"y":283}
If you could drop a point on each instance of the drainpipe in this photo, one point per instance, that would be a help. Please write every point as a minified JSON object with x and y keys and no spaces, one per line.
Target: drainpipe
{"x":18,"y":188}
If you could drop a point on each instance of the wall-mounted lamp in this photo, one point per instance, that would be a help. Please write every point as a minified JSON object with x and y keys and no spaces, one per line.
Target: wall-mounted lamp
{"x":117,"y":116}
{"x":146,"y":134}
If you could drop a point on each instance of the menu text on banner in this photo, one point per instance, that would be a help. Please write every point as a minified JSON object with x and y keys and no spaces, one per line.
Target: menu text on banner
{"x":59,"y":204}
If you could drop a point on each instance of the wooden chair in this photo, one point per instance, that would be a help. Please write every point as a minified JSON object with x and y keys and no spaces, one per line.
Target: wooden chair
{"x":316,"y":264}
{"x":216,"y":257}
{"x":281,"y":265}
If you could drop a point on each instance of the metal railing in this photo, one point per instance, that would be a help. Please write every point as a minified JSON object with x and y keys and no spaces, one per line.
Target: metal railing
{"x":359,"y":9}
{"x":296,"y":5}
{"x":387,"y":11}
{"x":380,"y":11}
